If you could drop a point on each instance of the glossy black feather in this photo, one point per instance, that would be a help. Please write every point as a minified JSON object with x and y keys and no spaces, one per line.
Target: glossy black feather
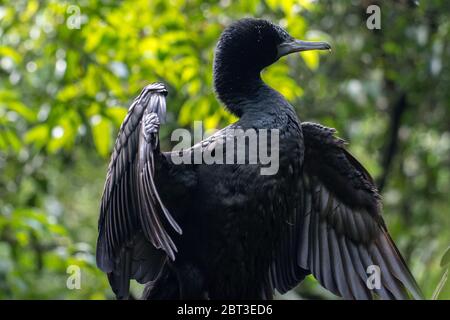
{"x":343,"y":231}
{"x":224,"y":231}
{"x":131,"y":213}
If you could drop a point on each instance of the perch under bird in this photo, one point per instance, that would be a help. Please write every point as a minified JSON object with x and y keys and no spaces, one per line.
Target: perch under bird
{"x":225,"y":231}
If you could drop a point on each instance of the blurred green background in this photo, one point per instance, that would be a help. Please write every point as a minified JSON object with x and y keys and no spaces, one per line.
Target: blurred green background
{"x":69,"y":69}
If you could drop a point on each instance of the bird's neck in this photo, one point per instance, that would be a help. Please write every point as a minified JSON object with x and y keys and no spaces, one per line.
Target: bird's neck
{"x":238,"y":88}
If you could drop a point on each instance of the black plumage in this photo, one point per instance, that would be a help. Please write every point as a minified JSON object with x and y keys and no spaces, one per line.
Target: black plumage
{"x":224,"y":231}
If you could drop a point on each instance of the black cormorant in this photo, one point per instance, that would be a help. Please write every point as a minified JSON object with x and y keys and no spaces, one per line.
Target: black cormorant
{"x":226,"y":231}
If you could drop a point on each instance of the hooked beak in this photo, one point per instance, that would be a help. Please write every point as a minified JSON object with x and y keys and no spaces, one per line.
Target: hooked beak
{"x":288,"y":47}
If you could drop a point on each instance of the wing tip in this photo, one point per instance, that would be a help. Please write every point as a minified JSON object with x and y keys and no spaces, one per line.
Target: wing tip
{"x":159,"y":87}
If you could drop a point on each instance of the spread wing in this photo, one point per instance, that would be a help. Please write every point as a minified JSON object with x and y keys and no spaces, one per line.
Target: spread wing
{"x":134,"y":226}
{"x":337,"y":232}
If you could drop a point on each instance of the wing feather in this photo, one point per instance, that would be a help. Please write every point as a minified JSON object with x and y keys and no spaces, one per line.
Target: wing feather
{"x":134,"y":223}
{"x":340,"y":231}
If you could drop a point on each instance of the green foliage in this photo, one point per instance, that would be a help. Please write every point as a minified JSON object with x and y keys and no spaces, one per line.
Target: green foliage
{"x":64,"y":93}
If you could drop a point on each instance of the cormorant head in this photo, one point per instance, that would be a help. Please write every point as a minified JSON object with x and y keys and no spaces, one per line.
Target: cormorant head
{"x":244,"y":49}
{"x":249,"y":45}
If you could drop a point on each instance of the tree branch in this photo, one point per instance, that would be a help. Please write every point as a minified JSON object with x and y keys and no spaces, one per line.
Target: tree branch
{"x":392,"y":145}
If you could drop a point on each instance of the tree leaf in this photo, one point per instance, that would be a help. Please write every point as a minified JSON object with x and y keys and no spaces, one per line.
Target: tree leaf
{"x":101,"y":130}
{"x":311,"y":59}
{"x":38,"y":135}
{"x":445,"y":261}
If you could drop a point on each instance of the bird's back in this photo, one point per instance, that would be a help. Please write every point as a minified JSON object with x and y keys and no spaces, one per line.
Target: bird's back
{"x":239,"y":213}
